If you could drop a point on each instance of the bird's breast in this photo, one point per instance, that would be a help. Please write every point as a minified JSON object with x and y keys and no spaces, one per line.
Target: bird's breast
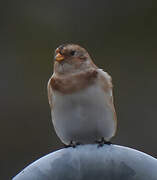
{"x":75,"y":82}
{"x":81,"y":104}
{"x":84,"y":115}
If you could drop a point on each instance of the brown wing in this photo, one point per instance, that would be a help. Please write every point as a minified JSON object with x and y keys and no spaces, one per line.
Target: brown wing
{"x":106,"y":83}
{"x":50,"y":93}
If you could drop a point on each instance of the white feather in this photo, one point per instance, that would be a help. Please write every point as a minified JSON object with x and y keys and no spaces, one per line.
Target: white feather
{"x":84,"y":116}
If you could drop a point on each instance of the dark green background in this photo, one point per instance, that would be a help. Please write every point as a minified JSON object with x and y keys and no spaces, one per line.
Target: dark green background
{"x":121,"y":37}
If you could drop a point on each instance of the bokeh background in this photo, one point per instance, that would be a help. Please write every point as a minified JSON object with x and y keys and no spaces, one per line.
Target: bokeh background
{"x":121,"y":37}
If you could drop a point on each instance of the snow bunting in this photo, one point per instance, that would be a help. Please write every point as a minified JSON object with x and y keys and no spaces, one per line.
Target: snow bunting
{"x":80,"y":98}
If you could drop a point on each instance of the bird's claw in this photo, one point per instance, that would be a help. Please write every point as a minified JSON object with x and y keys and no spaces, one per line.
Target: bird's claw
{"x":102,"y":141}
{"x":72,"y":144}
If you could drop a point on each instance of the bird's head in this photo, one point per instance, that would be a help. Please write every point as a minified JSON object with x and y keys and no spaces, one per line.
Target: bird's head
{"x":71,"y":58}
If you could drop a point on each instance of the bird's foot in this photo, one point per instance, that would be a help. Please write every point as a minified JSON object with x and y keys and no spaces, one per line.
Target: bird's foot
{"x":72,"y":144}
{"x":102,"y":141}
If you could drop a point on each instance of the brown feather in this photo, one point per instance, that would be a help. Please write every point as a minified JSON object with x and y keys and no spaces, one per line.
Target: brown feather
{"x":106,"y":84}
{"x":74,"y":82}
{"x":50,"y":93}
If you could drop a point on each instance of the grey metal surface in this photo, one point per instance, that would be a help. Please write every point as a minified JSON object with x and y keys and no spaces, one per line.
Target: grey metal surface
{"x":88,"y":162}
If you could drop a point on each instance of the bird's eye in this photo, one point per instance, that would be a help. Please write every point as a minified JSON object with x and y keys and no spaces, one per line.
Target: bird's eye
{"x":72,"y":52}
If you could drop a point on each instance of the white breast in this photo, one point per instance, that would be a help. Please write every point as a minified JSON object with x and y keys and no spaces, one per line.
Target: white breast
{"x":84,"y":116}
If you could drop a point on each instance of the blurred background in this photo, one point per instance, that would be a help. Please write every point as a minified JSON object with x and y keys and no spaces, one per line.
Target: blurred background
{"x":121,"y":37}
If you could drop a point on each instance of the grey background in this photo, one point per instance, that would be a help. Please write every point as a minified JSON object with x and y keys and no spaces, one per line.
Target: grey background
{"x":120,"y":36}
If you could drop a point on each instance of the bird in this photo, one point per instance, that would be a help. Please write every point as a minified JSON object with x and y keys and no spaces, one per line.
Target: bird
{"x":80,"y":98}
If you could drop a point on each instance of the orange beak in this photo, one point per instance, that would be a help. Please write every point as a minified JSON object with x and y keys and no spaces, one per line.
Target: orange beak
{"x":59,"y":56}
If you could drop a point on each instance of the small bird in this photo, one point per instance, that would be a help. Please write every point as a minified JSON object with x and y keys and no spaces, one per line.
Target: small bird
{"x":80,"y":98}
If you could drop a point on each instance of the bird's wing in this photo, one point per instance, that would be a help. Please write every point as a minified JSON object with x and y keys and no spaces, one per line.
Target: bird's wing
{"x":106,"y":83}
{"x":50,"y":93}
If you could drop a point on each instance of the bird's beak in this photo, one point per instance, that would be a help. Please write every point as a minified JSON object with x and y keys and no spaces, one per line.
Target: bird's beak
{"x":59,"y":56}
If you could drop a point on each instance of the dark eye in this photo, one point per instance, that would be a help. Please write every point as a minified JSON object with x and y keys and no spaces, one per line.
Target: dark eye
{"x":72,"y":52}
